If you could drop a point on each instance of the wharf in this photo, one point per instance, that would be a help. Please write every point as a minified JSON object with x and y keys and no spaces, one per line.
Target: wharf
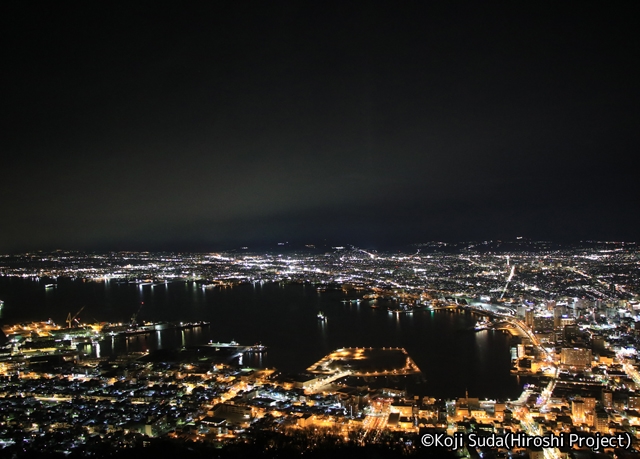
{"x":362,"y":361}
{"x":158,"y":326}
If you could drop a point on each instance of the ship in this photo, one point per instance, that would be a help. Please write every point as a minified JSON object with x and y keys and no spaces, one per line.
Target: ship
{"x":483,"y":324}
{"x":151,"y":327}
{"x":257,"y":349}
{"x":402,"y":308}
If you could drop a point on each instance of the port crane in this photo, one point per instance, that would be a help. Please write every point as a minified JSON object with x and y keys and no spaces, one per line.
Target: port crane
{"x":71,"y":319}
{"x":135,"y":316}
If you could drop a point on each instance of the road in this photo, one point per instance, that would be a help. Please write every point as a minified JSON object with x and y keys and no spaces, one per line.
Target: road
{"x":376,"y":420}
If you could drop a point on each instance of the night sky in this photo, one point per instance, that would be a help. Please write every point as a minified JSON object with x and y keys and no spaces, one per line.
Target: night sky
{"x":187,"y":128}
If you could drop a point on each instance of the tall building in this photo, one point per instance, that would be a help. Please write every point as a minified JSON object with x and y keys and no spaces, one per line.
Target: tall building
{"x":634,"y":402}
{"x":589,"y":404}
{"x":565,"y":321}
{"x":557,"y":318}
{"x":521,"y":312}
{"x":576,"y":357}
{"x":598,"y":343}
{"x":529,"y":318}
{"x":601,"y":422}
{"x":577,"y":411}
{"x":543,"y":323}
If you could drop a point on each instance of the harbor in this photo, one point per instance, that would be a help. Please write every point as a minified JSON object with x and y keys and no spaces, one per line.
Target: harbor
{"x":47,"y":337}
{"x":272,"y":314}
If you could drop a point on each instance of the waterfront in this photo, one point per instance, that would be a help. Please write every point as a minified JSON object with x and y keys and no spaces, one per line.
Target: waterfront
{"x":283,"y":317}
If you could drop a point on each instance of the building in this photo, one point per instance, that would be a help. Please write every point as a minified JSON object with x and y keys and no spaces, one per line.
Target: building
{"x":634,"y":402}
{"x":570,"y":332}
{"x":529,"y":318}
{"x":601,"y":422}
{"x":576,"y":357}
{"x":578,"y":411}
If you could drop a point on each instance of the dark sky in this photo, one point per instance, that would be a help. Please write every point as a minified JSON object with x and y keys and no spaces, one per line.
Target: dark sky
{"x":140,"y":127}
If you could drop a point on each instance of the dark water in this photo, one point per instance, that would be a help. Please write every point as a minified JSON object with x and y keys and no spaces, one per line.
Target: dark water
{"x":283,"y":317}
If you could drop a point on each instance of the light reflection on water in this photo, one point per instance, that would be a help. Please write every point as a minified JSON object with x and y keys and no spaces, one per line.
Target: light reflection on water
{"x":284,"y":318}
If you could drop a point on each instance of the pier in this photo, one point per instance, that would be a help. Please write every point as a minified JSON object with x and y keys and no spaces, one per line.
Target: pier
{"x":363,"y":361}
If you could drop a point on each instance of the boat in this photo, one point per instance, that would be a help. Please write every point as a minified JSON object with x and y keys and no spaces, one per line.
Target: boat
{"x":258,"y":348}
{"x":483,"y":324}
{"x":151,"y":327}
{"x":402,"y":308}
{"x":321,"y":316}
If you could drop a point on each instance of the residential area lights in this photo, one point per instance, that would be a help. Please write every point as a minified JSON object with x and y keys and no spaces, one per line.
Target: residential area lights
{"x":574,"y":311}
